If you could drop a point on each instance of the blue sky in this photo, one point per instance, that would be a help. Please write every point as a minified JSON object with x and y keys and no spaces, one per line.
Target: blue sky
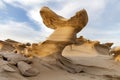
{"x":20,"y":19}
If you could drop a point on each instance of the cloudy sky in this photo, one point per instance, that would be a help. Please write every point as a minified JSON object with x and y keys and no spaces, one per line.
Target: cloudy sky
{"x":20,"y":19}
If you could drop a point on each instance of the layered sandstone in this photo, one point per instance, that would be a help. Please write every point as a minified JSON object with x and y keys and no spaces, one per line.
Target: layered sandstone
{"x":87,"y":47}
{"x":64,"y":34}
{"x":5,"y":46}
{"x":115,"y":51}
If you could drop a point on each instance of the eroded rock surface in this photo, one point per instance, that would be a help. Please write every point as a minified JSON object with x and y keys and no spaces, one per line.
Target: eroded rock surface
{"x":85,"y":47}
{"x":65,"y":31}
{"x":6,"y":47}
{"x":17,"y":61}
{"x":115,"y":51}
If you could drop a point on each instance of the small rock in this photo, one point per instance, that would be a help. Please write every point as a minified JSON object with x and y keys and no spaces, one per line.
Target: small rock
{"x":27,"y":69}
{"x":8,"y":68}
{"x":14,"y":58}
{"x":5,"y":67}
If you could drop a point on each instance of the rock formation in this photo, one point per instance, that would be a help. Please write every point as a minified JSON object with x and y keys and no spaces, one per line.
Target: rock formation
{"x":80,"y":40}
{"x":12,"y":42}
{"x":103,"y":48}
{"x":21,"y":48}
{"x":115,"y":51}
{"x":86,"y":47}
{"x":5,"y":46}
{"x":108,"y":44}
{"x":14,"y":46}
{"x":64,"y":34}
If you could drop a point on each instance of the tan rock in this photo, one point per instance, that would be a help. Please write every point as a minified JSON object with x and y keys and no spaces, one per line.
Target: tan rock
{"x":115,"y":51}
{"x":64,"y":34}
{"x":26,"y":69}
{"x":7,"y":47}
{"x":108,"y":44}
{"x":21,"y":48}
{"x":84,"y":47}
{"x":103,"y":48}
{"x":11,"y":41}
{"x":80,"y":40}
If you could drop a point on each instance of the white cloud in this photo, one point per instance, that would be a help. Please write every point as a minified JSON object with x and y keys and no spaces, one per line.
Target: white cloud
{"x":26,"y":4}
{"x":94,"y":7}
{"x":2,"y":5}
{"x":35,"y":16}
{"x":20,"y":32}
{"x":110,"y":34}
{"x":32,"y":8}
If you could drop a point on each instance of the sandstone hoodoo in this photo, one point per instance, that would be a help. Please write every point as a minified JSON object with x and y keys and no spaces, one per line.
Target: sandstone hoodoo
{"x":65,"y":31}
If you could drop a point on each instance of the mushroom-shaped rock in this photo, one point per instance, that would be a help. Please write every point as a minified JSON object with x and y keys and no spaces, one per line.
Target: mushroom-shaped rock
{"x":65,"y":29}
{"x":54,"y":21}
{"x":64,"y":34}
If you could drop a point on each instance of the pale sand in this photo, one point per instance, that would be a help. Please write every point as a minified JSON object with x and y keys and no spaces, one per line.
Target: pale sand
{"x":100,"y":67}
{"x":95,"y":67}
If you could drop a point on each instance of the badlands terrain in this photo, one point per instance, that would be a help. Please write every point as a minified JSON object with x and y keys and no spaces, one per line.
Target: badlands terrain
{"x":62,"y":56}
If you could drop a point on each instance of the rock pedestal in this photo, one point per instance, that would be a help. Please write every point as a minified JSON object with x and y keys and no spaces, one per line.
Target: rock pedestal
{"x":65,"y":31}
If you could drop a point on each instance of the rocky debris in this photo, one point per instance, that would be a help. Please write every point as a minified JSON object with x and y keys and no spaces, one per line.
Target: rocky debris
{"x":19,"y":61}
